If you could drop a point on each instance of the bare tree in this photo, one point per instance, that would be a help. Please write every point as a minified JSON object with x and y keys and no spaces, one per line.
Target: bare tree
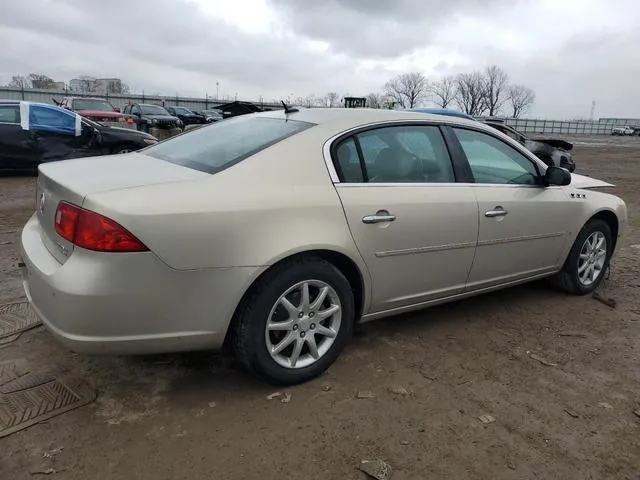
{"x":20,"y":81}
{"x":496,"y":83}
{"x":408,"y":89}
{"x":470,"y":94}
{"x":39,"y":80}
{"x":374,"y":100}
{"x":331,"y":99}
{"x":125,"y":89}
{"x":520,"y":98}
{"x":444,"y":91}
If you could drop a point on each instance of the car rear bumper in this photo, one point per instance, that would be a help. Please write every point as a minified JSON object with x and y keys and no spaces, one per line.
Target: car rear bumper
{"x":110,"y":303}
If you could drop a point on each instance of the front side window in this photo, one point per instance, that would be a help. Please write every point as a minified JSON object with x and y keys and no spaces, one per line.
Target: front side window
{"x":9,"y":114}
{"x":223,"y":144}
{"x":397,"y":154}
{"x":493,"y":161}
{"x":47,"y":118}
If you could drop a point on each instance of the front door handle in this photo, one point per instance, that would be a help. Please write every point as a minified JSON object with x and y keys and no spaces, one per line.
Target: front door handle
{"x":379,"y":217}
{"x":496,"y":212}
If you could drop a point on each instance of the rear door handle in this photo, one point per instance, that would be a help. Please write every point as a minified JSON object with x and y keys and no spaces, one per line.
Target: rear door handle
{"x":496,"y":212}
{"x":379,"y":217}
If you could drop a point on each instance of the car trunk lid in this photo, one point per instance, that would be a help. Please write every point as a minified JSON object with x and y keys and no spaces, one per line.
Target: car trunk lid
{"x":72,"y":180}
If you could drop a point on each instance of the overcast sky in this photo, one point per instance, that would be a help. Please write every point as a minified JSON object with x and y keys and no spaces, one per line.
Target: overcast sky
{"x":570,"y":52}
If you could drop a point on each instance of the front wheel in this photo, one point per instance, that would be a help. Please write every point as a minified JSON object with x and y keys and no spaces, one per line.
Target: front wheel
{"x":295,"y":322}
{"x":588,"y":259}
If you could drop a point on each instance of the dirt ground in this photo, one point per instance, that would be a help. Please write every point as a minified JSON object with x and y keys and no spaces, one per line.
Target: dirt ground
{"x":200,"y":416}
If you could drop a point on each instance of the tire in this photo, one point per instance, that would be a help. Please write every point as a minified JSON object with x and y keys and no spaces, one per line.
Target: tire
{"x":253,"y":343}
{"x":122,"y":149}
{"x":569,"y":279}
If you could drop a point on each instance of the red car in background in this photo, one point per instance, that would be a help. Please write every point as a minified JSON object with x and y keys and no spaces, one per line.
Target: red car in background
{"x":96,"y":109}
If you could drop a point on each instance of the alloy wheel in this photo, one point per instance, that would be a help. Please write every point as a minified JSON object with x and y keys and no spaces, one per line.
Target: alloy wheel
{"x":303,"y":324}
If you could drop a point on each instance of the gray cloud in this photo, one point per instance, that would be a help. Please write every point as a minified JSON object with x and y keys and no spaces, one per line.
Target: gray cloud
{"x":156,"y":43}
{"x":171,"y":47}
{"x":378,"y":28}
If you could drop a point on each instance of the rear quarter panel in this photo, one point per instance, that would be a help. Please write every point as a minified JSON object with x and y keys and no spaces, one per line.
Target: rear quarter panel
{"x":276,"y":203}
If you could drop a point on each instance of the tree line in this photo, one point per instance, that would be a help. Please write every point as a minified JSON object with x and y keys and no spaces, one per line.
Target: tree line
{"x":479,"y":93}
{"x":85,"y":85}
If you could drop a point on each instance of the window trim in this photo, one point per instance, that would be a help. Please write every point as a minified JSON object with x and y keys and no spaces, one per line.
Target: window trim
{"x":539,"y":167}
{"x":14,"y":105}
{"x":459,"y":164}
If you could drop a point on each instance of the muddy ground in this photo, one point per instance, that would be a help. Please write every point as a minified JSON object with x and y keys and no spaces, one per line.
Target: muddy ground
{"x":200,"y":416}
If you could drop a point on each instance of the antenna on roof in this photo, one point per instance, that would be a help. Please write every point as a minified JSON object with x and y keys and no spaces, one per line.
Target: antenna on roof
{"x":288,"y":109}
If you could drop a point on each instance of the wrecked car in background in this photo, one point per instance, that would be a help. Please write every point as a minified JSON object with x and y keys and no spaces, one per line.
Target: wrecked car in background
{"x":96,"y":109}
{"x":553,"y":152}
{"x":154,"y":119}
{"x":35,"y":133}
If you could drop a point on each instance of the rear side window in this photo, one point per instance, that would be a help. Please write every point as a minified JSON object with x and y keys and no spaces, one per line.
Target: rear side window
{"x":9,"y":114}
{"x":223,"y":144}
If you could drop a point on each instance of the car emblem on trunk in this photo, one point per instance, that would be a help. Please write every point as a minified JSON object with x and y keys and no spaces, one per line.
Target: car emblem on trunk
{"x":41,"y":203}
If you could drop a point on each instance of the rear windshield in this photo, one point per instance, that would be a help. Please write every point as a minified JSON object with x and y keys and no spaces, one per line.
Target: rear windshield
{"x":216,"y":147}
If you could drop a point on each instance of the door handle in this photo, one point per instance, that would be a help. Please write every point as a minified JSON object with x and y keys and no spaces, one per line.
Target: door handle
{"x":497,"y":212}
{"x":379,"y":217}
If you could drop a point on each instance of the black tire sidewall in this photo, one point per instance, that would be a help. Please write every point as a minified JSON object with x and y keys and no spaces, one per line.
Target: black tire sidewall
{"x":572,"y":263}
{"x":268,"y":292}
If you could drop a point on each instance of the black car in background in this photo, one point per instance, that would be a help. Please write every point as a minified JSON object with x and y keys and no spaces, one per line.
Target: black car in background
{"x":154,"y":119}
{"x":212,"y":115}
{"x":553,"y":152}
{"x":35,"y":133}
{"x":187,"y":116}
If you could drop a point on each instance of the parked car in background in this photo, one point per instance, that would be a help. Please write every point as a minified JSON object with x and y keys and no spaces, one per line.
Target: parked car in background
{"x":250,"y":233}
{"x":212,"y":115}
{"x":443,"y":111}
{"x":36,"y":133}
{"x":154,"y":119}
{"x":187,"y":116}
{"x":96,"y":109}
{"x":624,"y":130}
{"x":553,"y":152}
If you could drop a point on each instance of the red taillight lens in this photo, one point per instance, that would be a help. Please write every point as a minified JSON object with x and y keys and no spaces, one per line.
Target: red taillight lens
{"x":90,"y":230}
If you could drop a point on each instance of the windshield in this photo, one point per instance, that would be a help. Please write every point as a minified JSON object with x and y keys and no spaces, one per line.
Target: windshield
{"x":182,"y":110}
{"x":212,"y":113}
{"x":153,"y":110}
{"x":98,"y":105}
{"x":223,"y":144}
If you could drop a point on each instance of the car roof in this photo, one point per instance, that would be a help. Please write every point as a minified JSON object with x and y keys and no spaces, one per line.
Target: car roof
{"x":361,"y":116}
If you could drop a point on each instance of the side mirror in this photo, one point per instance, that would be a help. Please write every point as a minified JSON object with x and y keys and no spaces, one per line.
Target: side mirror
{"x":116,"y":109}
{"x":557,"y":176}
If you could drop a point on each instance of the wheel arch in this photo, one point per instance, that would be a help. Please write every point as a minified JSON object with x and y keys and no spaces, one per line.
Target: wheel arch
{"x":612,"y":220}
{"x":343,"y":262}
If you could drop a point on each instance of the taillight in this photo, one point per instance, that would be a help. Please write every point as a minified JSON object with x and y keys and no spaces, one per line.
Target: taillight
{"x":92,"y":231}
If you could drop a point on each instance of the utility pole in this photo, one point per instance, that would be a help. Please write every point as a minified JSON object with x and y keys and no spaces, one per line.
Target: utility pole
{"x":217,"y":90}
{"x":593,"y":109}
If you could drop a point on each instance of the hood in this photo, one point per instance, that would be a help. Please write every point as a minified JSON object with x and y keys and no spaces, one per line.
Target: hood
{"x":582,"y":181}
{"x":563,"y":144}
{"x":100,"y":113}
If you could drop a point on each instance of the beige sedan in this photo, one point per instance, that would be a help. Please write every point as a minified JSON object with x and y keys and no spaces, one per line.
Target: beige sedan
{"x":276,"y":232}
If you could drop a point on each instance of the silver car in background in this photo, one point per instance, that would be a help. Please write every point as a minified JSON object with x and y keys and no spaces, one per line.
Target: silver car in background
{"x":277,"y":231}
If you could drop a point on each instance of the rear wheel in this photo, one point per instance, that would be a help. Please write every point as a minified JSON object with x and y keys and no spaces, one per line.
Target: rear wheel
{"x":295,"y":322}
{"x":588,"y":259}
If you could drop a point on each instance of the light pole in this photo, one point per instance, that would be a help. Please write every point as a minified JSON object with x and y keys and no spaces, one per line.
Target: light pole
{"x":217,"y":90}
